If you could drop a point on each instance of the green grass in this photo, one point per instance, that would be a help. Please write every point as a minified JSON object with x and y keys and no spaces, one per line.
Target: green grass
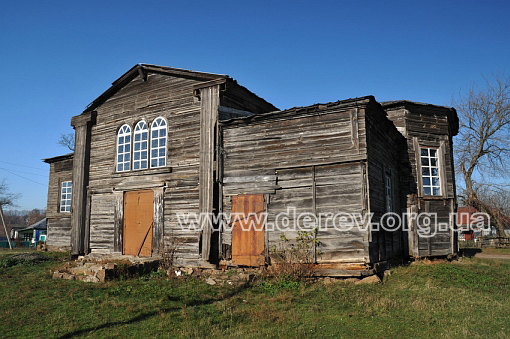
{"x":503,"y":251}
{"x":469,"y":298}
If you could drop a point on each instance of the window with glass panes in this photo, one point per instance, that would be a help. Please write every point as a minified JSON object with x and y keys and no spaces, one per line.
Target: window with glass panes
{"x":65,"y":196}
{"x":140,"y":146}
{"x":158,"y":143}
{"x":124,"y":149}
{"x":430,"y":171}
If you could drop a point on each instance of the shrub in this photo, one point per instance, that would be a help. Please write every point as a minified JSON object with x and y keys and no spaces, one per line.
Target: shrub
{"x":294,"y":261}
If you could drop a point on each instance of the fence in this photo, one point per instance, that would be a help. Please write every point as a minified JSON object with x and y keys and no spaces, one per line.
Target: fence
{"x":24,"y":244}
{"x":497,"y":242}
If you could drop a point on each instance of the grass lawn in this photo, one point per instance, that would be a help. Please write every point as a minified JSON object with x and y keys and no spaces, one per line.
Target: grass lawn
{"x":505,"y":251}
{"x":465,"y":299}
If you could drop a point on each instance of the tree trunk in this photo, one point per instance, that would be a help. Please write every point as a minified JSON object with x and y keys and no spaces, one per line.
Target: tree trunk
{"x":495,"y":216}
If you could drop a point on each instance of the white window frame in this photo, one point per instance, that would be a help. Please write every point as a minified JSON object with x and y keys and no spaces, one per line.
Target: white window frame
{"x":430,"y":167}
{"x":140,"y":146}
{"x":123,"y":159}
{"x":66,"y":192}
{"x":158,"y":143}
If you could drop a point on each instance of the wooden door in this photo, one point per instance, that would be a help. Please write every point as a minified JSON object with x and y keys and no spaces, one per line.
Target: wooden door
{"x":248,"y":231}
{"x":138,"y":223}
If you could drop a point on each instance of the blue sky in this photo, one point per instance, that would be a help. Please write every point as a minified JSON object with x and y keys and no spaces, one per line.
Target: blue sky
{"x":58,"y":56}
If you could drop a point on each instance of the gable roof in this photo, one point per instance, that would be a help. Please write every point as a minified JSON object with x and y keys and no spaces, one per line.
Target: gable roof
{"x":40,"y":225}
{"x":143,"y":69}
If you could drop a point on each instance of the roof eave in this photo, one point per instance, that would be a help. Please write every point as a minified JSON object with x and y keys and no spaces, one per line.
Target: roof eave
{"x":58,"y":158}
{"x":451,"y":111}
{"x":140,"y":69}
{"x":299,"y":109}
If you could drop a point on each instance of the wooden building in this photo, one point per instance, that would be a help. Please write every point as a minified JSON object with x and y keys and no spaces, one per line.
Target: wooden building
{"x":115,"y":170}
{"x":323,"y":159}
{"x":430,"y":187}
{"x":58,"y":210}
{"x":164,"y":142}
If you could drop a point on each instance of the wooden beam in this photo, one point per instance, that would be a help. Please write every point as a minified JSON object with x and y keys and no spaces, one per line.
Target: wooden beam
{"x":5,"y":228}
{"x":143,"y":73}
{"x":82,"y":125}
{"x":209,"y":103}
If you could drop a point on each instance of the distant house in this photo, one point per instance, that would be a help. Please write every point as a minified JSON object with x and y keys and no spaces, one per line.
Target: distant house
{"x":163,"y":142}
{"x":32,"y":234}
{"x":472,"y":224}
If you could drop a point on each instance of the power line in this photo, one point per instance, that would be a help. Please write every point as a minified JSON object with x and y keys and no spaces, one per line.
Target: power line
{"x":40,"y":175}
{"x":11,"y":163}
{"x":35,"y":182}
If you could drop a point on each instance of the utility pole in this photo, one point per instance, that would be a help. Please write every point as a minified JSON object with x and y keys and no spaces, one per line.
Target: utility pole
{"x":5,"y":227}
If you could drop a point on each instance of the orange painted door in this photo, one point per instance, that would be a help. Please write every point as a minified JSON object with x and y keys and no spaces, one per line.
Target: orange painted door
{"x":138,"y":223}
{"x":248,"y":230}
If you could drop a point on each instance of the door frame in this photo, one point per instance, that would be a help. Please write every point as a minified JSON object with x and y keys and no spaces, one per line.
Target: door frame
{"x":158,"y":218}
{"x":133,"y":225}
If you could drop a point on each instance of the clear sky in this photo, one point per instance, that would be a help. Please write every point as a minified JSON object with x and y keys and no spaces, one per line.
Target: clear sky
{"x":58,"y":56}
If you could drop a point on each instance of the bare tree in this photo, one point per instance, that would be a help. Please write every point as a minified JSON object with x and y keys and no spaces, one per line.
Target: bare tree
{"x":483,"y":145}
{"x":6,"y":199}
{"x":35,"y":215}
{"x":67,"y":140}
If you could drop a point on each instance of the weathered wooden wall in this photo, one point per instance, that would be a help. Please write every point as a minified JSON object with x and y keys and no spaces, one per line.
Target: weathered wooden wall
{"x":176,"y":186}
{"x":309,"y":159}
{"x":428,"y":126}
{"x":58,"y":223}
{"x":160,"y":96}
{"x":385,"y":146}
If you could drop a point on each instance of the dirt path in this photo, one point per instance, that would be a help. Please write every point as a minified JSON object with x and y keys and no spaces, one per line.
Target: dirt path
{"x":493,"y":256}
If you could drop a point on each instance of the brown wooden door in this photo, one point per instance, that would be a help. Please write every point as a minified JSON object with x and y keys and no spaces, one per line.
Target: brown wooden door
{"x":248,"y":232}
{"x":138,"y":223}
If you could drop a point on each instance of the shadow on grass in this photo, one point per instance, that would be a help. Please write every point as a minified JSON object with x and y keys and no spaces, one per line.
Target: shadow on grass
{"x":148,"y":315}
{"x":469,"y":252}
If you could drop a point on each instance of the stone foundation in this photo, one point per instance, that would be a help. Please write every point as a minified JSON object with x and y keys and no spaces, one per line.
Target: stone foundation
{"x":101,"y":269}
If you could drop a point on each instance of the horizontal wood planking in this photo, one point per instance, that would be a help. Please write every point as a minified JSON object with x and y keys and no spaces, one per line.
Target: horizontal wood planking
{"x":58,"y":223}
{"x":430,"y":127}
{"x":171,"y":98}
{"x":287,"y":148}
{"x":324,"y":138}
{"x":59,"y":231}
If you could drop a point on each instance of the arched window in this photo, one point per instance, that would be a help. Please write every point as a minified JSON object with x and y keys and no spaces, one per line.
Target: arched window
{"x":158,"y":143}
{"x":140,"y":145}
{"x":124,"y":149}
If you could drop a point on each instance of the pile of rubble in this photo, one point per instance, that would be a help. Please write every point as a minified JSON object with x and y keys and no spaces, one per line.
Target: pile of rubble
{"x":217,"y":277}
{"x":104,"y":269}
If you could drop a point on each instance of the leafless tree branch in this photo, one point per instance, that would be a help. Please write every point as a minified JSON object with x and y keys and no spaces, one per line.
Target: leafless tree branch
{"x":483,"y":146}
{"x":67,"y":140}
{"x":6,"y":197}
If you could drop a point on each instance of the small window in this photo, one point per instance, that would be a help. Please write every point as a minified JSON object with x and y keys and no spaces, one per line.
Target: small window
{"x":430,"y":171}
{"x":388,"y":190}
{"x":158,"y":143}
{"x":140,"y":146}
{"x":65,"y":196}
{"x":124,"y":149}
